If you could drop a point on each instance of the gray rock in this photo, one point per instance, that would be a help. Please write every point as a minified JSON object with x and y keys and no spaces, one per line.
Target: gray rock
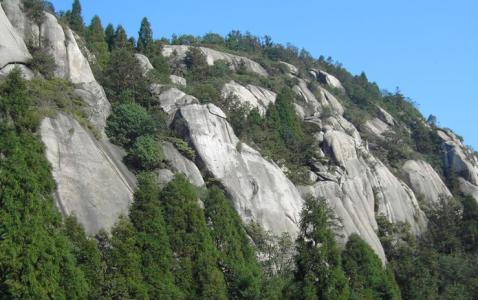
{"x":468,"y":188}
{"x":12,"y":47}
{"x":425,"y":182}
{"x":165,"y":176}
{"x":98,"y":106}
{"x":171,"y":99}
{"x":259,"y":189}
{"x":92,"y":181}
{"x":290,"y":68}
{"x":26,"y":28}
{"x":386,"y":117}
{"x":377,"y":127}
{"x":178,"y":80}
{"x":329,"y":80}
{"x":144,"y":63}
{"x":250,"y":95}
{"x":26,"y":72}
{"x":181,"y":164}
{"x":236,"y":62}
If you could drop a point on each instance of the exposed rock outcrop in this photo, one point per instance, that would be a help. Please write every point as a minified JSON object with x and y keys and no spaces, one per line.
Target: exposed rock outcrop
{"x":182,"y":165}
{"x":171,"y":99}
{"x":425,"y":182}
{"x":235,"y":62}
{"x":327,"y":79}
{"x":144,"y":63}
{"x":12,"y":47}
{"x":178,"y":80}
{"x":251,"y":95}
{"x":77,"y":158}
{"x":259,"y":189}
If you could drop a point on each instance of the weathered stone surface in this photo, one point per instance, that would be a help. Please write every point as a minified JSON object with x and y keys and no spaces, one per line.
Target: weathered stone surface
{"x":92,"y":182}
{"x":26,"y":72}
{"x":144,"y":63}
{"x":386,"y":117}
{"x":325,"y":104}
{"x":468,"y":188}
{"x":259,"y":189}
{"x":425,"y":182}
{"x":377,"y":127}
{"x":181,"y":164}
{"x":99,"y":108}
{"x":236,"y":62}
{"x":26,"y":28}
{"x":327,"y":79}
{"x":178,"y":80}
{"x":171,"y":99}
{"x":165,"y":176}
{"x":12,"y":47}
{"x":290,"y":68}
{"x":251,"y":95}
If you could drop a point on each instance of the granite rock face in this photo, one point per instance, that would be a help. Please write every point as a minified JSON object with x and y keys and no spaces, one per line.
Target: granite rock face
{"x":92,"y":182}
{"x":178,"y":52}
{"x":259,"y":189}
{"x":171,"y":99}
{"x":13,"y":49}
{"x":250,"y":95}
{"x":327,"y":79}
{"x":182,"y":165}
{"x":425,"y":182}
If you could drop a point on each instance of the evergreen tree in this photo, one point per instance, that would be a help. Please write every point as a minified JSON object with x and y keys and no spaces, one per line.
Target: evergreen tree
{"x":87,"y":255}
{"x":367,"y":277}
{"x":121,"y":38}
{"x":36,"y":260}
{"x":96,"y":40}
{"x":197,"y":272}
{"x":145,"y":39}
{"x":236,"y":255}
{"x":319,"y":273}
{"x":124,"y":279}
{"x":470,"y":224}
{"x":76,"y":19}
{"x":110,"y":36}
{"x":156,"y":255}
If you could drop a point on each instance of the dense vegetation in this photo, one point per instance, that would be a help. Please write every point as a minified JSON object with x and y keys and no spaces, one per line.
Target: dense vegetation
{"x":184,"y":242}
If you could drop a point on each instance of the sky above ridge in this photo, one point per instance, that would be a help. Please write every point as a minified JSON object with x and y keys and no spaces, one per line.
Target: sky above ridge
{"x":428,"y":48}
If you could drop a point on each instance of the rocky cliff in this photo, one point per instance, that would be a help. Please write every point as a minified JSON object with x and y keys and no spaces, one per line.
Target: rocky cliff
{"x":94,"y":184}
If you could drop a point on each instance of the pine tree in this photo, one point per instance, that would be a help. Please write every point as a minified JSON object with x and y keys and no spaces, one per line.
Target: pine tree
{"x":156,"y":255}
{"x":121,"y":38}
{"x":110,"y":36}
{"x":75,"y":18}
{"x":319,"y":273}
{"x":96,"y":39}
{"x":368,"y":279}
{"x":197,"y":272}
{"x":145,"y":38}
{"x":237,"y":258}
{"x":124,"y":279}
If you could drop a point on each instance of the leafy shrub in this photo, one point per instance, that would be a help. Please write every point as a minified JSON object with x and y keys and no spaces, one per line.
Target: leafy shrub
{"x":145,"y":154}
{"x":128,"y":122}
{"x":42,"y":61}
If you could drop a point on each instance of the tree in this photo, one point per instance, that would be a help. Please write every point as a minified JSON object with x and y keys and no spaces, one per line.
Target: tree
{"x":196,"y":64}
{"x":470,"y":224}
{"x":121,"y":38}
{"x":76,"y":19}
{"x":319,"y":273}
{"x":145,"y":154}
{"x":123,"y":80}
{"x":110,"y":36}
{"x":367,"y":277}
{"x":236,"y":255}
{"x":96,"y":39}
{"x":128,"y":122}
{"x":124,"y":279}
{"x":145,"y":38}
{"x":156,"y":256}
{"x":197,"y":272}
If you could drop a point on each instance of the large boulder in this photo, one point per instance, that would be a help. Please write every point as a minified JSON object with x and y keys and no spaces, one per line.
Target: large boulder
{"x":144,"y":63}
{"x":425,"y":182}
{"x":251,"y":95}
{"x":171,"y":99}
{"x":92,"y":182}
{"x":12,"y":47}
{"x":236,"y":62}
{"x":327,"y":79}
{"x":258,"y":188}
{"x":180,"y":164}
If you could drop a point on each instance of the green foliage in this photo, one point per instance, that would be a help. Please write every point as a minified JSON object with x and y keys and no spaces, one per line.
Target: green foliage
{"x":145,"y":154}
{"x":236,"y":255}
{"x":318,"y":273}
{"x":197,"y":272}
{"x":36,"y":260}
{"x":123,"y":80}
{"x":157,"y":261}
{"x":183,"y":147}
{"x":196,"y":64}
{"x":110,"y":36}
{"x":145,"y":39}
{"x":367,"y":277}
{"x":42,"y":61}
{"x":35,"y":10}
{"x":75,"y":19}
{"x":120,"y":40}
{"x":124,"y":278}
{"x":96,"y":41}
{"x":128,"y":122}
{"x":469,"y":230}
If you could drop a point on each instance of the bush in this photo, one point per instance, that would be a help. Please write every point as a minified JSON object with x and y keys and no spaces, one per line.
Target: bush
{"x":145,"y":154}
{"x":42,"y":62}
{"x":128,"y":122}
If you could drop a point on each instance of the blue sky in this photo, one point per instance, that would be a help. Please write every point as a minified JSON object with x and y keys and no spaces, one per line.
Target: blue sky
{"x":427,"y":48}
